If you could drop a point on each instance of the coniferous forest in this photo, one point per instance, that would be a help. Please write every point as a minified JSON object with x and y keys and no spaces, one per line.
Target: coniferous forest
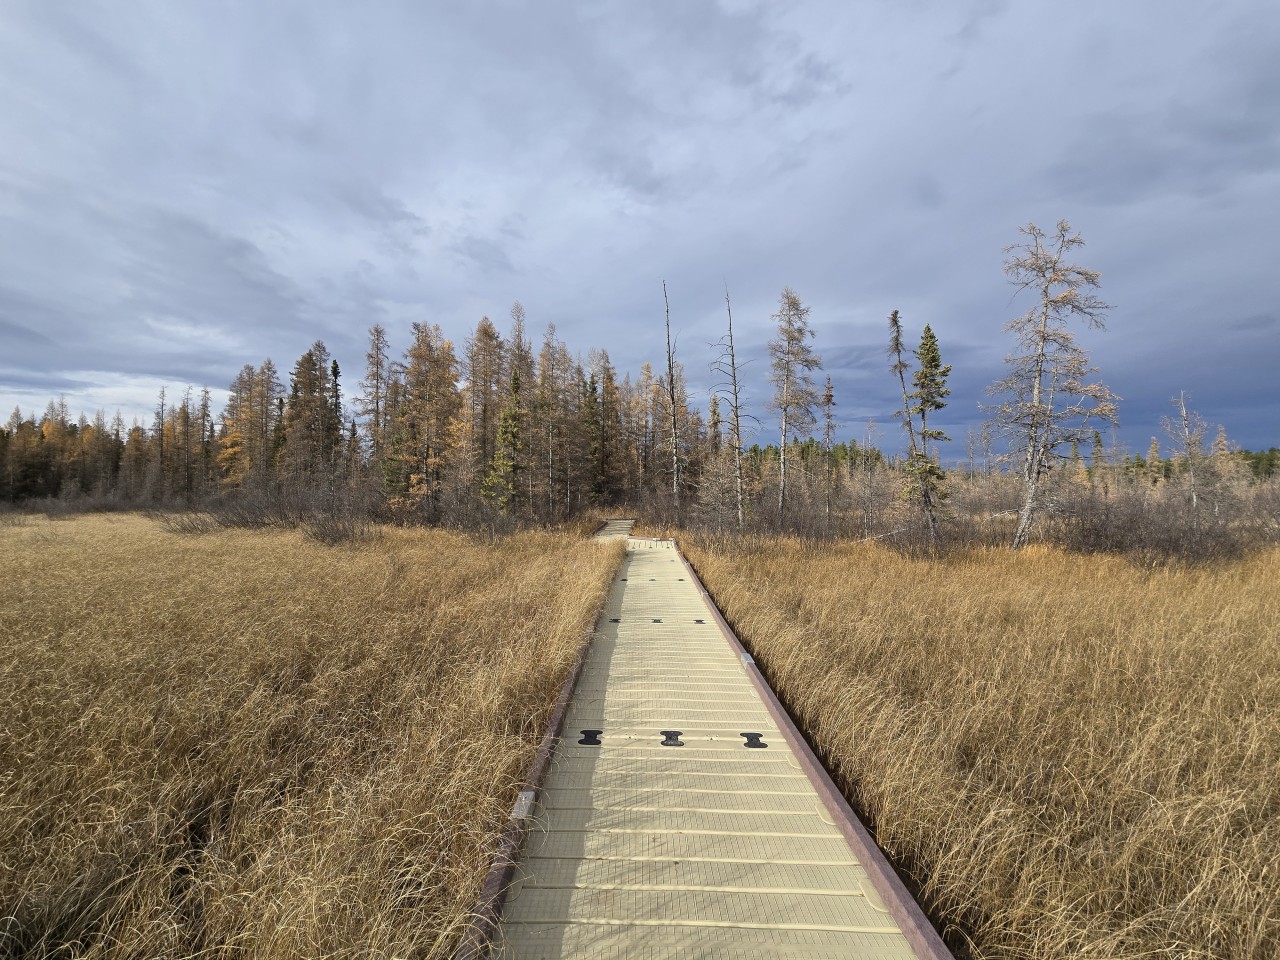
{"x":504,"y":430}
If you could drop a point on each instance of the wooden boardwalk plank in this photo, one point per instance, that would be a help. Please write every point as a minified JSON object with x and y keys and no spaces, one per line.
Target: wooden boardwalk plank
{"x":658,"y":831}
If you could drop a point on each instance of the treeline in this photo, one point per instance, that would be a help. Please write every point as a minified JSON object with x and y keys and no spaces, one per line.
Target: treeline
{"x":496,"y":429}
{"x":499,"y":432}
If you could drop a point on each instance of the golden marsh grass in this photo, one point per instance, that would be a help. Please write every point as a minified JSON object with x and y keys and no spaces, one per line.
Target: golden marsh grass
{"x":1074,"y":757}
{"x":247,"y":744}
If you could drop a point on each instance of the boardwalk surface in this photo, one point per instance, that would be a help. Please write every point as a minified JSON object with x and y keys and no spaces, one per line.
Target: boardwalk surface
{"x":675,"y":820}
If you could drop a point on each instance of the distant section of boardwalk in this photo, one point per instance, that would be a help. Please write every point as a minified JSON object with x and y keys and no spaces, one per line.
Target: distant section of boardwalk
{"x":676,"y":819}
{"x":613,"y":529}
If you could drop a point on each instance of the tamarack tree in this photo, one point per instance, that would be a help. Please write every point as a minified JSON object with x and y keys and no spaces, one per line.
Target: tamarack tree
{"x":1046,"y":401}
{"x":792,"y":361}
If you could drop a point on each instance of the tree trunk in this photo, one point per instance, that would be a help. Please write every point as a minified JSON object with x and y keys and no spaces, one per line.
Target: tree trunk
{"x":782,"y":467}
{"x":737,"y":416}
{"x":930,"y":517}
{"x":1022,"y":536}
{"x":672,"y":396}
{"x":1039,"y":426}
{"x":1031,"y":487}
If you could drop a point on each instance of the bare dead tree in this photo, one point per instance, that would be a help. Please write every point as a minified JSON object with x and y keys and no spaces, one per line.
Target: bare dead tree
{"x":727,"y":366}
{"x":1188,"y":433}
{"x":1047,"y":400}
{"x":828,"y":428}
{"x":900,"y":368}
{"x":673,"y":399}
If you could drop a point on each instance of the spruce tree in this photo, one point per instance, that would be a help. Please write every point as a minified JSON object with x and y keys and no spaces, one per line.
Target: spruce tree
{"x":924,"y":475}
{"x":930,"y":382}
{"x":503,"y":479}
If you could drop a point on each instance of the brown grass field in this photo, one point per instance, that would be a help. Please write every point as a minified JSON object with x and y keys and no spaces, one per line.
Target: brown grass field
{"x":247,"y":744}
{"x":244,"y":744}
{"x":1071,"y":755}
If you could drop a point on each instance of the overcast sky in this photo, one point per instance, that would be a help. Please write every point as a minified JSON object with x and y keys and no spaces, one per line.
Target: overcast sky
{"x":186,"y":187}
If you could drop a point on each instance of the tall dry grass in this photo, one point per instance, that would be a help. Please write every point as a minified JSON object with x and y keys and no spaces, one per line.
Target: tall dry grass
{"x":1074,"y":757}
{"x":246,"y":744}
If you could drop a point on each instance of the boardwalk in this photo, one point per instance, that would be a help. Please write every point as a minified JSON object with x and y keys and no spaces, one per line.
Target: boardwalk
{"x":676,"y":820}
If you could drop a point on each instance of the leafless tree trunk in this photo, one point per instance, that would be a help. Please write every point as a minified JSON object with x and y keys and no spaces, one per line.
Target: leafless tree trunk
{"x":727,"y":365}
{"x":1190,"y":430}
{"x":828,"y":426}
{"x":1188,"y":433}
{"x":672,"y":397}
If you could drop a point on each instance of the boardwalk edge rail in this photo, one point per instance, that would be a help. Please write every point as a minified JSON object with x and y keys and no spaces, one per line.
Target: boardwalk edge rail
{"x":483,"y":923}
{"x":917,"y":929}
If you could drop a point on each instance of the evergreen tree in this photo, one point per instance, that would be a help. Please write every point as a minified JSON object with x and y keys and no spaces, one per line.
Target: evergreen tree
{"x":924,"y":474}
{"x":555,"y":413}
{"x":312,"y":420}
{"x":502,"y":482}
{"x":828,"y":429}
{"x":1155,"y":467}
{"x":611,"y":458}
{"x":930,"y":382}
{"x":520,"y":364}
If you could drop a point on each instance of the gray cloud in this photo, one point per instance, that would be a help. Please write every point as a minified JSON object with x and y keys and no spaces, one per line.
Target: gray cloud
{"x":20,"y":336}
{"x":1260,"y":321}
{"x":186,"y":190}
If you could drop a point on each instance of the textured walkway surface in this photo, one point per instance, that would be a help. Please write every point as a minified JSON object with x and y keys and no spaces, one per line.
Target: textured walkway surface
{"x":676,"y":820}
